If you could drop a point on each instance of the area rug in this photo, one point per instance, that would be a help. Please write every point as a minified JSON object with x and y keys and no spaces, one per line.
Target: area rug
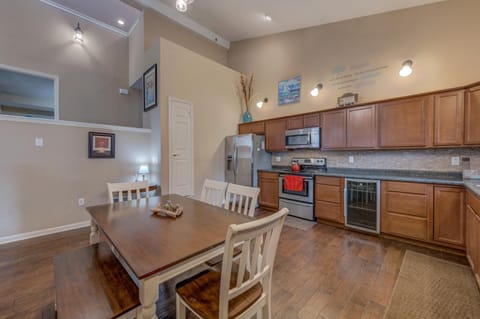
{"x":432,"y":288}
{"x":299,"y":223}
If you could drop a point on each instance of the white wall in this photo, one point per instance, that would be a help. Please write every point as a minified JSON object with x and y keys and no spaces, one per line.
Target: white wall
{"x":39,"y":187}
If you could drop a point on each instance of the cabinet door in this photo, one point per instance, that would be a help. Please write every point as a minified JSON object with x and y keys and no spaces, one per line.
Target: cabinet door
{"x":362,"y":127}
{"x":268,"y":184}
{"x":275,"y":135}
{"x":329,"y":198}
{"x":471,"y":238}
{"x":406,"y":123}
{"x":448,"y":112}
{"x":449,"y":215}
{"x":311,"y":120}
{"x":255,"y":128}
{"x":472,"y":116}
{"x":334,"y":129}
{"x":294,"y":122}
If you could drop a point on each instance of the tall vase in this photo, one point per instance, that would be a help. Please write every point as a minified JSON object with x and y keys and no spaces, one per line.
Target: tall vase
{"x":247,"y":116}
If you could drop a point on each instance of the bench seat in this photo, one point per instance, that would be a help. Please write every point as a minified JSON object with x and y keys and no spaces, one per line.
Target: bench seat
{"x":91,"y":283}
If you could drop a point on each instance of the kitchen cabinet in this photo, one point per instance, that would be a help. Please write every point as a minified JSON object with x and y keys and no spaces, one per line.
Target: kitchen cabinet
{"x":448,"y":114}
{"x":472,"y":116}
{"x":295,"y":122}
{"x":268,"y":184}
{"x":329,"y":198}
{"x":406,"y":123}
{"x":449,"y":216}
{"x":406,"y":209}
{"x":275,"y":135}
{"x":334,"y":130}
{"x":473,"y":233}
{"x":311,"y":120}
{"x":253,"y":127}
{"x":362,"y":127}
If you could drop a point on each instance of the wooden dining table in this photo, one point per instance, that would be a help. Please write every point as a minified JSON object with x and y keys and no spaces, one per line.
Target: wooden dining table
{"x":156,"y":248}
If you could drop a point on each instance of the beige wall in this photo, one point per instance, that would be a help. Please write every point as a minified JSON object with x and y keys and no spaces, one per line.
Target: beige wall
{"x":39,"y":187}
{"x":441,"y":39}
{"x":211,"y":88}
{"x":39,"y":37}
{"x":158,"y":25}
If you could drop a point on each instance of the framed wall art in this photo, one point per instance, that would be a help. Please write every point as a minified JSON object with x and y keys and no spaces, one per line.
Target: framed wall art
{"x":150,"y":88}
{"x":289,"y":91}
{"x":101,"y":145}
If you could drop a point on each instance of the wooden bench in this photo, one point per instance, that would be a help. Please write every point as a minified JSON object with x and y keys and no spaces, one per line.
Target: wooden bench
{"x":91,"y":283}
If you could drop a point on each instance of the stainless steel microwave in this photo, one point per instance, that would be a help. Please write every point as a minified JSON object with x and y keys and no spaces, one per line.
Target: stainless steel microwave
{"x":303,"y":138}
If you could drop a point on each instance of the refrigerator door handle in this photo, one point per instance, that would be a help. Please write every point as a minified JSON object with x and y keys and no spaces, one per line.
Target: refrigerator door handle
{"x":235,"y":160}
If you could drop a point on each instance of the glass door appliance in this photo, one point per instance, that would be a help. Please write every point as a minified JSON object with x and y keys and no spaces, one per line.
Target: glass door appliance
{"x":362,"y":204}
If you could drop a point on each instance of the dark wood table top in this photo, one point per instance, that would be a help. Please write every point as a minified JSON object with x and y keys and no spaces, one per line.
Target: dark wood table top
{"x":150,"y":243}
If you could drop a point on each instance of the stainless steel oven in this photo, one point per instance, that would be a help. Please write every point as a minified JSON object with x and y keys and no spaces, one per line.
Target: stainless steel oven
{"x":303,"y":138}
{"x":299,"y":203}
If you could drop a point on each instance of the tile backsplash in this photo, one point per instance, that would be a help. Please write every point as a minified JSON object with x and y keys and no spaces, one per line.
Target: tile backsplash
{"x":429,"y":160}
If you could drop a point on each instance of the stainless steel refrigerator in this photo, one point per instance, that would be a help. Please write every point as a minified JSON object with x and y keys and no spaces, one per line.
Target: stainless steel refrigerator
{"x":244,"y":155}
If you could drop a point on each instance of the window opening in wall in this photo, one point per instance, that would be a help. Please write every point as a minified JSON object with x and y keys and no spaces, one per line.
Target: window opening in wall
{"x":27,"y":93}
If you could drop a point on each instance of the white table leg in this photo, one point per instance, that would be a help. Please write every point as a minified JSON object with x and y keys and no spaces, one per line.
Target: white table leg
{"x":148,"y":298}
{"x":94,"y":233}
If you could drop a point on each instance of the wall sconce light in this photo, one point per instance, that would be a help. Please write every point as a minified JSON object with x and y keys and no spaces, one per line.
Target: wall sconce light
{"x":182,"y":5}
{"x":260,"y":103}
{"x":406,"y":69}
{"x":78,"y":33}
{"x":143,"y":170}
{"x":316,"y":89}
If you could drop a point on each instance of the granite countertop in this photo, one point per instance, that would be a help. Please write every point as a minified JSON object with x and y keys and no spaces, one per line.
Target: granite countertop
{"x":447,"y":178}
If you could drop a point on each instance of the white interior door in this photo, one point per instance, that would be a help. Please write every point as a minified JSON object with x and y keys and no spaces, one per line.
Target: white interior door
{"x":180,"y":129}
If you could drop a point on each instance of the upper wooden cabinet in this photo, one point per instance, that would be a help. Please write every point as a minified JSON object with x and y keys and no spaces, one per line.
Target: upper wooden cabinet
{"x":448,"y":114}
{"x":406,"y":123}
{"x":362,"y":127}
{"x":472,"y":116}
{"x":334,"y":130}
{"x":295,"y":122}
{"x":275,"y":135}
{"x":311,"y":120}
{"x":449,"y":215}
{"x":254,"y":128}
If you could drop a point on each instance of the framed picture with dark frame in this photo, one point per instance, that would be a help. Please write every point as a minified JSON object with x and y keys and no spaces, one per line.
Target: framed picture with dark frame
{"x":101,"y":145}
{"x":150,"y":88}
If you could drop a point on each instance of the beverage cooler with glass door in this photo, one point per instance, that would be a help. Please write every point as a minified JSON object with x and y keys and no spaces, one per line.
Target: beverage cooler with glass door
{"x":362,"y":204}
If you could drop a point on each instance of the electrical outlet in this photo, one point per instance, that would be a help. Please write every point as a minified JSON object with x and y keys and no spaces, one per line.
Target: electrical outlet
{"x":39,"y":141}
{"x":351,"y":159}
{"x":278,"y":159}
{"x":455,"y":161}
{"x":81,"y":202}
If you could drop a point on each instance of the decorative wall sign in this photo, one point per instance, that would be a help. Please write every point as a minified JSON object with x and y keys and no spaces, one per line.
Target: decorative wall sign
{"x":289,"y":91}
{"x":101,"y":145}
{"x":356,"y":76}
{"x":348,"y":99}
{"x":150,"y":88}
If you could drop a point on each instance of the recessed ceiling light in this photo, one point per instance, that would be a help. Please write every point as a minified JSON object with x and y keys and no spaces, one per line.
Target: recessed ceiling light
{"x":268,"y":18}
{"x":120,"y":22}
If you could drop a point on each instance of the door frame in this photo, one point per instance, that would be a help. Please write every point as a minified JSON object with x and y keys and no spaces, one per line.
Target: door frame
{"x":170,"y":142}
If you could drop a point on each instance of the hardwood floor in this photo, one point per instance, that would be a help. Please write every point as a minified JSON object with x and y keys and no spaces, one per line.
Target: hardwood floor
{"x":322,"y":273}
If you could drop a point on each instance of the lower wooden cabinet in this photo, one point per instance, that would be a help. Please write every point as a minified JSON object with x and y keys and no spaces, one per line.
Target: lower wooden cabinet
{"x":449,"y":216}
{"x":268,"y":184}
{"x":473,"y":233}
{"x":406,"y":209}
{"x":329,"y":198}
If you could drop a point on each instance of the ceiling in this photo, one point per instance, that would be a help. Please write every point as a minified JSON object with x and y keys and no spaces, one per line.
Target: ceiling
{"x":105,"y":11}
{"x":243,"y":19}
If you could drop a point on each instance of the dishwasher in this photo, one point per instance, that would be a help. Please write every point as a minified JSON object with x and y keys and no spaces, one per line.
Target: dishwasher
{"x":362,"y":204}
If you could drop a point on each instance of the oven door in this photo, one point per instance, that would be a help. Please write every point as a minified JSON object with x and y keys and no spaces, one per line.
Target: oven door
{"x":305,"y":195}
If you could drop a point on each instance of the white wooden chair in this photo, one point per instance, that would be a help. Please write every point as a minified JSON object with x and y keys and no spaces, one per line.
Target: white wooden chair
{"x":242,"y":289}
{"x":130,"y":188}
{"x":213,"y":192}
{"x":242,"y":199}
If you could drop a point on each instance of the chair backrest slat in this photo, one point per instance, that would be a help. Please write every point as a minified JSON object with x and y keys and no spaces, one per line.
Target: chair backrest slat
{"x":259,"y":241}
{"x":213,"y":192}
{"x":241,"y":199}
{"x":130,"y":188}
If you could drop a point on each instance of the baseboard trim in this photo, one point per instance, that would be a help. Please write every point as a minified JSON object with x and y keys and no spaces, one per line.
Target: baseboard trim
{"x":42,"y":232}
